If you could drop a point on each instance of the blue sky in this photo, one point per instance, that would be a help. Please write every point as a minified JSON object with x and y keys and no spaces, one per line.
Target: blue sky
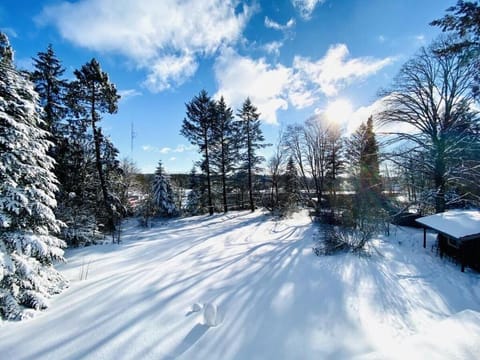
{"x":294,"y":58}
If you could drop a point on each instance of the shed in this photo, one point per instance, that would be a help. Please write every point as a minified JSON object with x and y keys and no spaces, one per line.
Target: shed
{"x":459,"y":234}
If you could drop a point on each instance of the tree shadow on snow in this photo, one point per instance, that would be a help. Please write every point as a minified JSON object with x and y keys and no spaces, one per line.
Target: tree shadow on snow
{"x":189,"y":340}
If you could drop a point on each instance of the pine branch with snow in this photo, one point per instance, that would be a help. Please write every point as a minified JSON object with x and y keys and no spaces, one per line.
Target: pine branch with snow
{"x":28,"y":246}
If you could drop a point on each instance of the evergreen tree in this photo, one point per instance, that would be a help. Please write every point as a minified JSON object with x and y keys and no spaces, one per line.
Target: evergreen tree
{"x":224,"y":154}
{"x":198,"y":128}
{"x":146,"y":208}
{"x":78,"y":185}
{"x":335,"y":163}
{"x":76,"y":198}
{"x":365,"y":170}
{"x":194,"y":197}
{"x":28,"y":246}
{"x":114,"y":177}
{"x":291,"y":184}
{"x":91,"y":94}
{"x":162,"y":193}
{"x":369,"y":164}
{"x":251,"y":139}
{"x":130,"y":184}
{"x":51,"y":89}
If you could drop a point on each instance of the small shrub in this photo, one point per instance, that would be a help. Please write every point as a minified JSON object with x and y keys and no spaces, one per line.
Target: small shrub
{"x":341,"y":239}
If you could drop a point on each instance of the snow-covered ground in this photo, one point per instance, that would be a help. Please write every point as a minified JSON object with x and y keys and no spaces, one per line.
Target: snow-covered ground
{"x":269,"y":296}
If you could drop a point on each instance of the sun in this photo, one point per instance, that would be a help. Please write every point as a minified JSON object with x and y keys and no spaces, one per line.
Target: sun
{"x":338,"y":111}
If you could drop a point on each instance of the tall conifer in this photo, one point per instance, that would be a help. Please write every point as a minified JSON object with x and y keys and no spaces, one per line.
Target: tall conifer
{"x":198,"y":128}
{"x":251,"y":140}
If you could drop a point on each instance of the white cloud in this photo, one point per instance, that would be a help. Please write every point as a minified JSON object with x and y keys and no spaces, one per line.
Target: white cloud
{"x":342,"y":112}
{"x":361,"y":115}
{"x":273,"y":87}
{"x":240,"y":77}
{"x":165,"y":150}
{"x":170,"y":70}
{"x":271,"y":24}
{"x":148,"y":148}
{"x":420,"y":39}
{"x":163,"y":37}
{"x":128,"y":93}
{"x":306,"y":7}
{"x":182,"y":148}
{"x":173,"y":158}
{"x":273,"y":47}
{"x":334,"y":70}
{"x":9,"y":31}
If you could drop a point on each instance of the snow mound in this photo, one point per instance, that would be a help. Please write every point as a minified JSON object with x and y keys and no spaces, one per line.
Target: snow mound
{"x":210,"y":314}
{"x":455,"y":337}
{"x":196,"y":307}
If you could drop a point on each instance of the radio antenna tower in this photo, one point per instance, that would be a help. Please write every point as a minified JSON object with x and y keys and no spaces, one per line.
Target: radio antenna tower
{"x":132,"y":137}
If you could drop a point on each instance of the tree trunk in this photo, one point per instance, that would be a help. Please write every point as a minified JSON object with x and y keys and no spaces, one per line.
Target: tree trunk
{"x":439,"y":178}
{"x":209,"y":186}
{"x":103,"y":185}
{"x":249,"y":164}
{"x":98,"y":161}
{"x":224,"y":180}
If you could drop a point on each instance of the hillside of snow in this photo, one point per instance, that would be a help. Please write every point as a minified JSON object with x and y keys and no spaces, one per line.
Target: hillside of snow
{"x":244,"y":286}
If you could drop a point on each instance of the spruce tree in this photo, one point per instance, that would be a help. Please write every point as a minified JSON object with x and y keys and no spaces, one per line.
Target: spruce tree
{"x":225,"y":150}
{"x":250,"y":139}
{"x":92,"y":94}
{"x":369,"y":164}
{"x":162,"y":193}
{"x":198,"y":128}
{"x":365,"y":169}
{"x":194,"y":197}
{"x":335,"y":163}
{"x":51,"y":89}
{"x":292,"y":187}
{"x":28,"y":245}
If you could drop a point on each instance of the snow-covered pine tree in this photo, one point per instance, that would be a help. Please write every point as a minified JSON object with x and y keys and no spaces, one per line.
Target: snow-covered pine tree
{"x":27,"y":185}
{"x":163,"y":193}
{"x":194,"y":197}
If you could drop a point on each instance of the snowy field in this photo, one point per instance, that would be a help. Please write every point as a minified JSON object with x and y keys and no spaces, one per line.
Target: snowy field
{"x":274,"y":298}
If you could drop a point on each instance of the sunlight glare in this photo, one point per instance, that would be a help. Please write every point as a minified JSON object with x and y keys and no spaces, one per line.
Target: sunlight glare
{"x":339,"y":112}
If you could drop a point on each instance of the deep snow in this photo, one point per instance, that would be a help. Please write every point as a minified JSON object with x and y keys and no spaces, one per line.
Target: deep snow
{"x":274,"y":299}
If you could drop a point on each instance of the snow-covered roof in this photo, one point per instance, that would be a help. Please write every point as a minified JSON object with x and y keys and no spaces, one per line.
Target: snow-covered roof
{"x":458,"y":224}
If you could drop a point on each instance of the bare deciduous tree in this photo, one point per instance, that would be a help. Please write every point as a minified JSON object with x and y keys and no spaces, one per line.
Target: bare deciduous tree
{"x":431,"y":94}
